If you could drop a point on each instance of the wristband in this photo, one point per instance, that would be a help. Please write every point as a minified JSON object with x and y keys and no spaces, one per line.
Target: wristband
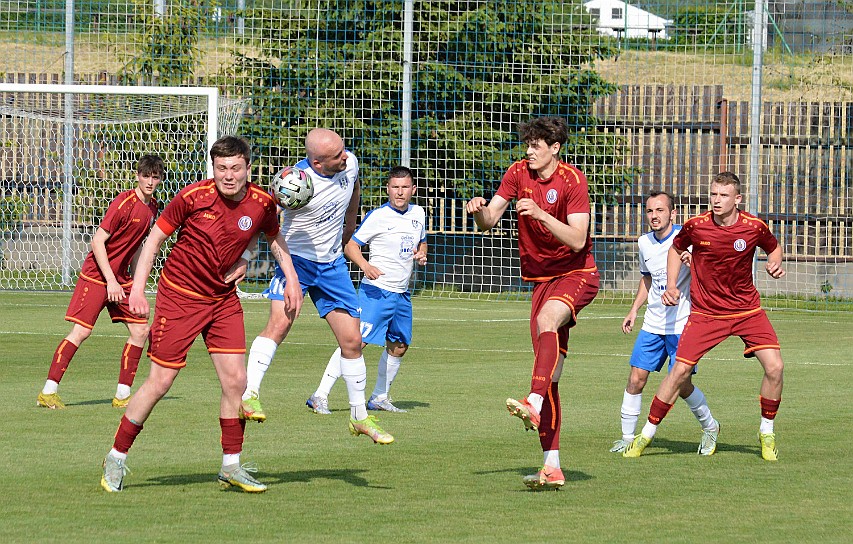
{"x":247,"y":255}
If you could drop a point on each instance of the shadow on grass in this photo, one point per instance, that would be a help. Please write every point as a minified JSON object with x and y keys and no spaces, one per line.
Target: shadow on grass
{"x":96,"y":402}
{"x":349,"y":476}
{"x":571,"y":475}
{"x":411,"y":405}
{"x":678,"y":447}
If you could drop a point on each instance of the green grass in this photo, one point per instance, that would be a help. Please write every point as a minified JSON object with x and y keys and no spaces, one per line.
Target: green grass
{"x":454,"y":472}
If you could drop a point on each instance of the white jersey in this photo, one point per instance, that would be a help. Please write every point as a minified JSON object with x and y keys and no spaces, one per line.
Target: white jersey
{"x":315,"y":232}
{"x":660,"y":319}
{"x":394,"y":237}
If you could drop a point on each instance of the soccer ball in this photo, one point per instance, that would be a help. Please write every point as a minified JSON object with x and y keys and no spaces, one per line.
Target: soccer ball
{"x":292,"y":188}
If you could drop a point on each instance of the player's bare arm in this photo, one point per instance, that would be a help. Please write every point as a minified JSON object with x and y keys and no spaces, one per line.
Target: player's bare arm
{"x":673,"y":265}
{"x":351,"y":216}
{"x":137,"y":301}
{"x":774,"y":263}
{"x":115,"y":292}
{"x":486,"y":215}
{"x":420,"y":255}
{"x":292,"y":288}
{"x":639,"y":299}
{"x":353,"y":252}
{"x":573,"y":235}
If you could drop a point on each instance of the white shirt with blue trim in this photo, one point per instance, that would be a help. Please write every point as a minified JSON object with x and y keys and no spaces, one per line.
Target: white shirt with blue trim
{"x":394,"y":237}
{"x":315,"y":232}
{"x":660,"y":319}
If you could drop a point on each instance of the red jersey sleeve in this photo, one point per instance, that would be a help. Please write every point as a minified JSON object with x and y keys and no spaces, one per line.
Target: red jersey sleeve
{"x":578,"y":196}
{"x":508,"y":189}
{"x":766,"y":240}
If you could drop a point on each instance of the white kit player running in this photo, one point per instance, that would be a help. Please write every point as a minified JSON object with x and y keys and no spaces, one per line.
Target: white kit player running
{"x":662,"y":326}
{"x":396,"y":235}
{"x":315,"y":235}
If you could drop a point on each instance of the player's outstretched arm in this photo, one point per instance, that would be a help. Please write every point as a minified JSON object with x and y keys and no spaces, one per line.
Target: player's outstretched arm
{"x":292,"y":288}
{"x":572,"y":234}
{"x":639,"y":299}
{"x":115,"y":292}
{"x":774,"y":263}
{"x":351,"y":215}
{"x":137,"y":301}
{"x":673,"y":265}
{"x":420,"y":255}
{"x":353,"y":252}
{"x":486,"y":216}
{"x":238,"y":270}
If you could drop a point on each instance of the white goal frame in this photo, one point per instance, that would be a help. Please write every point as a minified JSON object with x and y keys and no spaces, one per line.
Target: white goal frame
{"x":212,"y":98}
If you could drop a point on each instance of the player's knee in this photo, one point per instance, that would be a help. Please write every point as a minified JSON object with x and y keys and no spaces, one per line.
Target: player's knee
{"x":78,"y":335}
{"x":397,"y":349}
{"x":636,"y":384}
{"x":139,"y":332}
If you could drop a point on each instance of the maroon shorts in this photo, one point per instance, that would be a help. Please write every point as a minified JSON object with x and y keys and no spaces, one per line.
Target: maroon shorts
{"x":179,"y":318}
{"x":703,"y":332}
{"x":576,"y":290}
{"x":90,"y":298}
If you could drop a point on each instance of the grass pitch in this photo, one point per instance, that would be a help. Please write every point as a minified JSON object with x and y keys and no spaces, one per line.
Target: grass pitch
{"x":454,"y":472}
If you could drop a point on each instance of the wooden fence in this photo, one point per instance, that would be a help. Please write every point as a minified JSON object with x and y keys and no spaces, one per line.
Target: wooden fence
{"x":676,"y":138}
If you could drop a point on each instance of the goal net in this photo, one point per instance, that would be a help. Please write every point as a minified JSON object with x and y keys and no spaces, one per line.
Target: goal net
{"x":68,"y":150}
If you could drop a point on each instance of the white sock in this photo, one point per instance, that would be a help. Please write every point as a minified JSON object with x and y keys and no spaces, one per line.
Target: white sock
{"x":118,"y":455}
{"x":536,"y":400}
{"x":388,"y":368}
{"x":766,"y":425}
{"x":260,"y":357}
{"x":699,"y":406}
{"x":552,"y":458}
{"x":50,"y":387}
{"x":229,"y":459}
{"x":330,"y":375}
{"x":631,"y":407}
{"x":122,"y":391}
{"x":649,"y":429}
{"x":354,"y":373}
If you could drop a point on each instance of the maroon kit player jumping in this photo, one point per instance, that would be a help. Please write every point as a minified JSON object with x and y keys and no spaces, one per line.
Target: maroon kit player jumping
{"x":552,"y":201}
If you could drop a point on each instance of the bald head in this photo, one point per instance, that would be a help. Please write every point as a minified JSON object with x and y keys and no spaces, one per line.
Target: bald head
{"x":326,"y":152}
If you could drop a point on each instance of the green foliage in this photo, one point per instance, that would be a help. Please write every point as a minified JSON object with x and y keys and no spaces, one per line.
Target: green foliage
{"x":479,"y":68}
{"x":709,"y":25}
{"x":12,"y":211}
{"x":166,"y":50}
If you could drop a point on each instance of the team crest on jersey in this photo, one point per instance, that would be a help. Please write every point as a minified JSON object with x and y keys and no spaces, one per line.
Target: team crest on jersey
{"x":245,"y":223}
{"x":551,"y":196}
{"x":407,"y":246}
{"x":740,"y":244}
{"x":416,"y":224}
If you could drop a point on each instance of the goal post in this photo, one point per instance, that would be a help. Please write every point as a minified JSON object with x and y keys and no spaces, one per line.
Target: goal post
{"x":67,"y":150}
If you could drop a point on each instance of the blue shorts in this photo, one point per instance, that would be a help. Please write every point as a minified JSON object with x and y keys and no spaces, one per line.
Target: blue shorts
{"x":328,"y":284}
{"x":652,"y":350}
{"x":385,"y":315}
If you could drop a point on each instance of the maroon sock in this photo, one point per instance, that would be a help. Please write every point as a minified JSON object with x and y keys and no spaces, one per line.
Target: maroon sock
{"x":232,"y":435}
{"x":130,"y":356}
{"x":769,"y":407}
{"x":658,"y":411}
{"x":552,"y":420}
{"x":126,"y":434}
{"x":61,"y":359}
{"x":545,"y":362}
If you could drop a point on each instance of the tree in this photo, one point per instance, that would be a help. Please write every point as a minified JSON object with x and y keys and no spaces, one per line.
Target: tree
{"x":479,"y":68}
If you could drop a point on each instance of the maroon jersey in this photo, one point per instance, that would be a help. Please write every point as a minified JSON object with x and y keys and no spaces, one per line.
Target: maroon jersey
{"x":214,"y":233}
{"x":543,"y":256}
{"x":128,"y":220}
{"x":722,"y":262}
